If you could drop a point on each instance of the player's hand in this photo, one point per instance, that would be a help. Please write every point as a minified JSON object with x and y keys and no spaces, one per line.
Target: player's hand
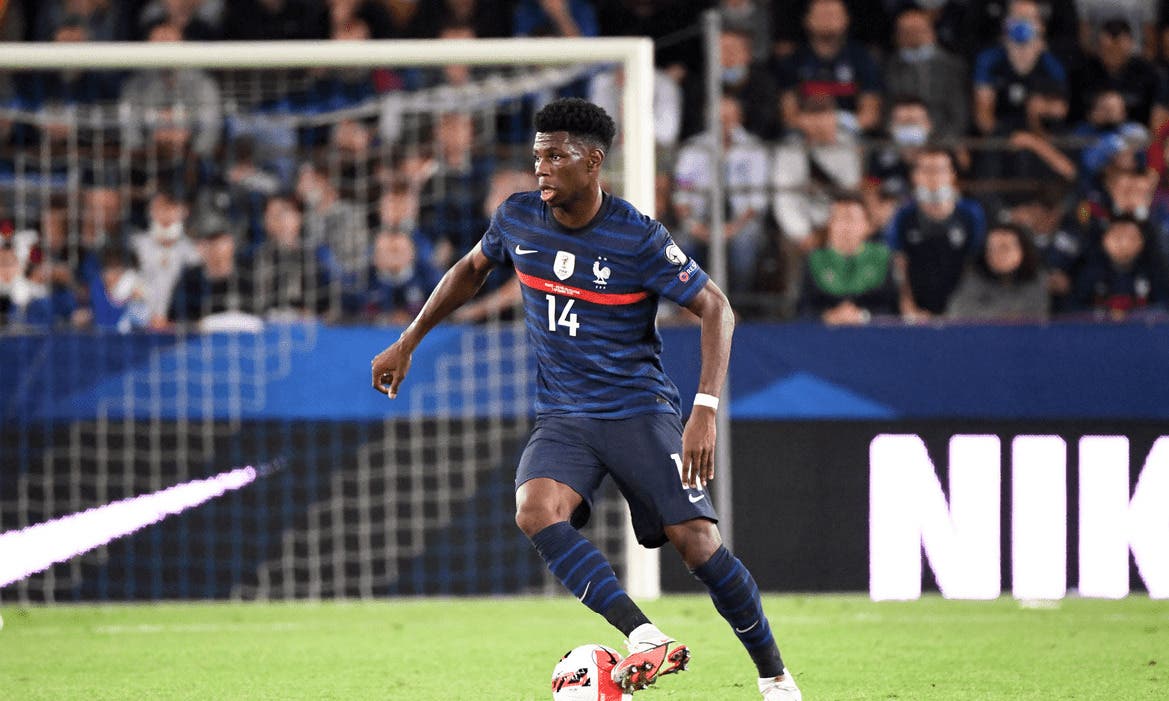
{"x":698,"y":447}
{"x":389,"y":368}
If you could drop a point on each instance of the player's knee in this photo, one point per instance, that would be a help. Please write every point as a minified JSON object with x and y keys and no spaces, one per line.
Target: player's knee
{"x":533,"y":517}
{"x":695,"y":540}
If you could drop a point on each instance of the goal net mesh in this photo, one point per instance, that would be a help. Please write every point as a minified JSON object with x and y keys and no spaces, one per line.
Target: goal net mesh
{"x":418,"y":504}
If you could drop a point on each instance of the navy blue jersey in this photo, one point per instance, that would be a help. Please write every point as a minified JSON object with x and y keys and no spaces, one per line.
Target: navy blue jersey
{"x":845,"y":77}
{"x":937,"y":251}
{"x":995,"y":71}
{"x":590,"y":303}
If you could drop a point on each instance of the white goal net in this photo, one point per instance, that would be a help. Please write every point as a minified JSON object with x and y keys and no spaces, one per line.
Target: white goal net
{"x":339,"y":144}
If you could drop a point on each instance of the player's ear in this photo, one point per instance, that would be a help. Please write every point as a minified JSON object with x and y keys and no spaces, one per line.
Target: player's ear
{"x":596,"y":158}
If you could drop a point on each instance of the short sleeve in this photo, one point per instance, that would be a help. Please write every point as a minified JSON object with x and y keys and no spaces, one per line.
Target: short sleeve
{"x":983,"y":68}
{"x":666,"y":270}
{"x":894,"y":235}
{"x":492,"y":243}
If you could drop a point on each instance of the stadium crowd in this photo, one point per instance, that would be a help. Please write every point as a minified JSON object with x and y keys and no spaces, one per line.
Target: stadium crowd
{"x":884,"y":159}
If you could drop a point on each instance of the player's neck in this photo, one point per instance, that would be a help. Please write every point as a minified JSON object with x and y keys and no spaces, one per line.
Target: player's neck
{"x":578,"y":214}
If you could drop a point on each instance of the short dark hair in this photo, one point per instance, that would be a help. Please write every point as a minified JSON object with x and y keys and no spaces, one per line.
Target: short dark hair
{"x":580,"y":118}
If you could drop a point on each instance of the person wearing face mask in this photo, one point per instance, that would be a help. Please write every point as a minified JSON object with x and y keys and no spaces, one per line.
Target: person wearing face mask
{"x":928,"y":72}
{"x":1005,"y":75}
{"x":747,"y":79}
{"x":1030,"y":155}
{"x":934,"y":236}
{"x":828,"y":64}
{"x":909,"y":129}
{"x":163,"y":250}
{"x":982,"y":25}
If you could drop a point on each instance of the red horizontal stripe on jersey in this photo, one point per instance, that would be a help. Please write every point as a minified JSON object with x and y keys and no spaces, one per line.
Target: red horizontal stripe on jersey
{"x":815,"y":88}
{"x":543,"y":285}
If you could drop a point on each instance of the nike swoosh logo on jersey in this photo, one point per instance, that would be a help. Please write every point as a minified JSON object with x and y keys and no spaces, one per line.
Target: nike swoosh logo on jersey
{"x":744,"y":630}
{"x":586,"y":592}
{"x":523,"y":251}
{"x":694,"y":499}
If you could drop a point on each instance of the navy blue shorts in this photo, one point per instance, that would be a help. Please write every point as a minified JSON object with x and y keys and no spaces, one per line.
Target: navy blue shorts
{"x":642,"y":454}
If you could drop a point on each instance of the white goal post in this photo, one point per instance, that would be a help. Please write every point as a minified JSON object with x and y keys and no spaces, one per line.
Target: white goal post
{"x":635,"y":55}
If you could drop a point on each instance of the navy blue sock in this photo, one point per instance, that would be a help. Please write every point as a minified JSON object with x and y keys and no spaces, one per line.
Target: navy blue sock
{"x":587,"y":574}
{"x":736,"y":597}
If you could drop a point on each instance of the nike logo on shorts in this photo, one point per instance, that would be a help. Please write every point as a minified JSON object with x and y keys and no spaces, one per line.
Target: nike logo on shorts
{"x":523,"y":251}
{"x":695,"y":498}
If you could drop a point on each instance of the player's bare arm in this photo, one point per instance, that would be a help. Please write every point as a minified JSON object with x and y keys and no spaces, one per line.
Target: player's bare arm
{"x":456,"y":287}
{"x":698,"y":438}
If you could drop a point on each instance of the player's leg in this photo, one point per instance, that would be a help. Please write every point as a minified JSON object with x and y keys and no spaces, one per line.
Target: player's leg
{"x":544,"y":508}
{"x":736,"y":597}
{"x":557,"y":476}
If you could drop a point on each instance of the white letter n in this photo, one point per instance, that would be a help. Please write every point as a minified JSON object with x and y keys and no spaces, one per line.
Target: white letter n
{"x":909,"y":513}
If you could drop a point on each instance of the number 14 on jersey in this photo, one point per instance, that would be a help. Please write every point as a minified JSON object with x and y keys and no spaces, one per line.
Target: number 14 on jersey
{"x":567,"y":318}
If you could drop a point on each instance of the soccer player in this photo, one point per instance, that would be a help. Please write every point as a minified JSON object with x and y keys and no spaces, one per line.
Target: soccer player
{"x":592,"y":269}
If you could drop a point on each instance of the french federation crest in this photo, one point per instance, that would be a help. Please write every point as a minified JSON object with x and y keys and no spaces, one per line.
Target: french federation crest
{"x":565,"y":265}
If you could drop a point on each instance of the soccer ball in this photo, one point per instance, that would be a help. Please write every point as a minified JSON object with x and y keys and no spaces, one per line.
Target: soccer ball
{"x":584,"y":674}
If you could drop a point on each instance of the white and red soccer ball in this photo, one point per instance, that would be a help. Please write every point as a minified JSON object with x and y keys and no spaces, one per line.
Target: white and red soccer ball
{"x":585,"y":674}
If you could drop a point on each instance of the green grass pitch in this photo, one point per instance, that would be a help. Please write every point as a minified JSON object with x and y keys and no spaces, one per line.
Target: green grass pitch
{"x":840,"y":647}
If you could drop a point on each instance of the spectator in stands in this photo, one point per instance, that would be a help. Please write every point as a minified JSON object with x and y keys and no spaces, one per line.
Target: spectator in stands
{"x":1138,"y":16}
{"x":102,"y":220}
{"x":1005,"y":282}
{"x":1005,"y":75}
{"x":1129,"y":278}
{"x":45,"y":257}
{"x":934,"y":237}
{"x":816,"y":160}
{"x":605,"y":91}
{"x":658,"y":19}
{"x":253,"y":20}
{"x":487,"y":18}
{"x":745,"y":190}
{"x":986,"y":20}
{"x":219,"y":283}
{"x":248,"y":183}
{"x":119,"y":298}
{"x":1032,"y":153}
{"x":751,"y":81}
{"x":1126,"y":193}
{"x":1059,"y":240}
{"x":1117,"y":66}
{"x":849,"y":279}
{"x":752,"y":18}
{"x":62,"y":98}
{"x":923,"y":70}
{"x":554,"y":18}
{"x":454,"y":193}
{"x":292,"y":278}
{"x":828,"y":64}
{"x":171,"y":112}
{"x":398,"y":282}
{"x":102,"y":20}
{"x":162,"y":251}
{"x":197,"y":20}
{"x":22,"y":302}
{"x":411,"y":19}
{"x":1113,"y":143}
{"x":909,"y":129}
{"x":870,"y":25}
{"x":332,"y":220}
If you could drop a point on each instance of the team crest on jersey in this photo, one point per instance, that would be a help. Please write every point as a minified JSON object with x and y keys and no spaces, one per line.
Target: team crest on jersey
{"x":565,"y":265}
{"x":601,"y":273}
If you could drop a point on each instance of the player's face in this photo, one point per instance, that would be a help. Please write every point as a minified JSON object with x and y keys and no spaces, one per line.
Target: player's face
{"x":565,"y":168}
